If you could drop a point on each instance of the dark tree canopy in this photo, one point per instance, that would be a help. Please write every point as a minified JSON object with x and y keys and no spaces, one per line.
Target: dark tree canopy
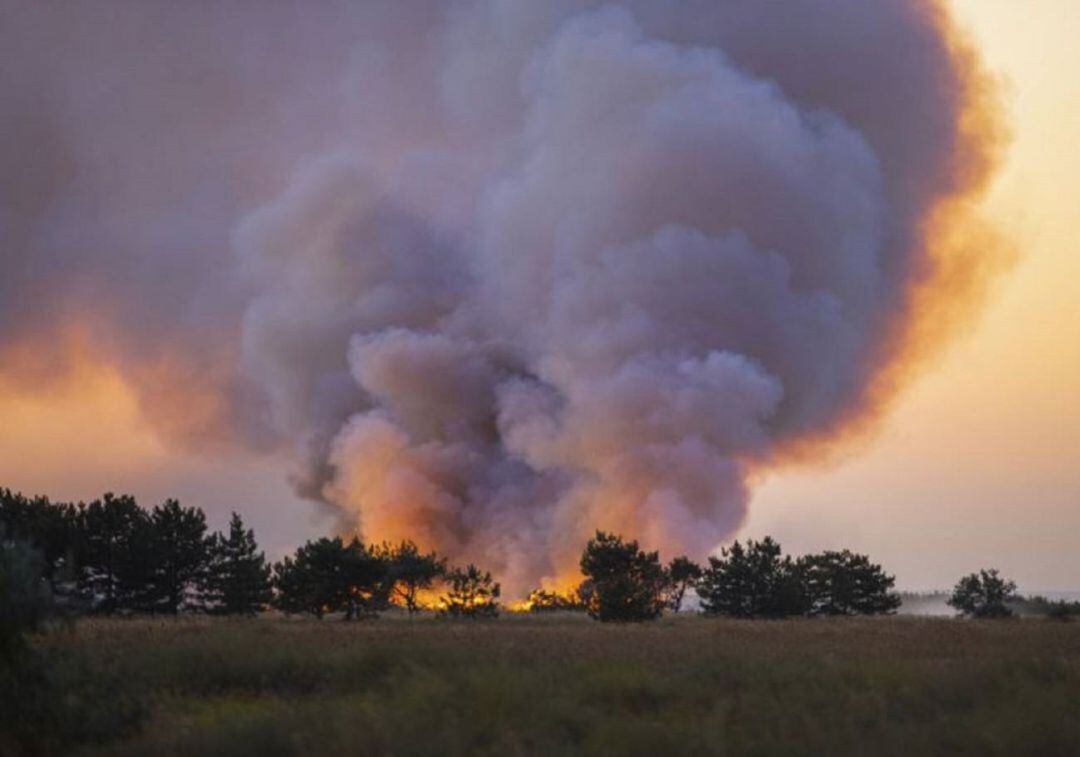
{"x":470,"y":593}
{"x":328,"y":575}
{"x":111,"y":555}
{"x":114,"y":559}
{"x":409,"y":571}
{"x":238,"y":578}
{"x":682,"y":574}
{"x":624,"y":582}
{"x":50,"y":528}
{"x":24,"y":596}
{"x":845,"y":583}
{"x":179,"y":554}
{"x":754,"y":581}
{"x":983,"y":595}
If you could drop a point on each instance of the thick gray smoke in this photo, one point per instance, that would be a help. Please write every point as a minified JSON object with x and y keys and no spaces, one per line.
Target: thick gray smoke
{"x":498,"y":273}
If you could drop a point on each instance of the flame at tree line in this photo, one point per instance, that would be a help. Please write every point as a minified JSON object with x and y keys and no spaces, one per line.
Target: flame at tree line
{"x":495,"y":275}
{"x":112,"y":556}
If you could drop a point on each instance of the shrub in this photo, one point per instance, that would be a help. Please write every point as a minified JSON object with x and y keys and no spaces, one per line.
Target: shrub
{"x":1062,"y":610}
{"x":46,"y":704}
{"x":25,"y":600}
{"x":540,"y":600}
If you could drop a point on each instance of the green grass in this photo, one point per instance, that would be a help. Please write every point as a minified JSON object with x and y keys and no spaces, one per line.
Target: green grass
{"x":566,"y":685}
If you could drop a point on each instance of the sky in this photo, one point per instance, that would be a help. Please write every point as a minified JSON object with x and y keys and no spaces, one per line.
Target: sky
{"x":974,"y":465}
{"x":978,"y":463}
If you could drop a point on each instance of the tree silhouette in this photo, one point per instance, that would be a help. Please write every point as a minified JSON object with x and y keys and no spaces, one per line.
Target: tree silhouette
{"x":327,"y":575}
{"x":51,"y":528}
{"x":624,"y":583}
{"x":845,"y":583}
{"x":180,"y":555}
{"x":681,"y":575}
{"x":409,"y":572}
{"x":983,"y":595}
{"x":470,"y":593}
{"x":24,"y":596}
{"x":238,"y":578}
{"x":752,"y":582}
{"x":366,"y":585}
{"x":113,"y":534}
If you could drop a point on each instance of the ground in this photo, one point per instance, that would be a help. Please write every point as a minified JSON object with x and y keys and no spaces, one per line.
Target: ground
{"x":566,"y":685}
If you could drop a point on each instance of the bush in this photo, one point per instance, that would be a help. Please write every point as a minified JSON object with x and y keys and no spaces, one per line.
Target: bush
{"x":983,"y":595}
{"x":25,"y":601}
{"x":540,"y":600}
{"x":46,"y":703}
{"x":1062,"y":610}
{"x":623,"y":583}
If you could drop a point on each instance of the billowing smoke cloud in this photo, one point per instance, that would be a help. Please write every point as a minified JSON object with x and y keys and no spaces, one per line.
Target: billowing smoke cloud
{"x":495,"y":273}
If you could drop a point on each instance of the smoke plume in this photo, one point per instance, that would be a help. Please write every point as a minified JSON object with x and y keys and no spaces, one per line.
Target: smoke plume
{"x":494,"y":274}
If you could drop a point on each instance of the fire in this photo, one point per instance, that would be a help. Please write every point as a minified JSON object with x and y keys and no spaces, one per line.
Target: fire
{"x":748,"y":286}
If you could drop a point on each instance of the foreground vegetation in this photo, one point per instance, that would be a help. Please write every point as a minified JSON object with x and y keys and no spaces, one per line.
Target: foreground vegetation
{"x":217,"y":652}
{"x":559,"y":684}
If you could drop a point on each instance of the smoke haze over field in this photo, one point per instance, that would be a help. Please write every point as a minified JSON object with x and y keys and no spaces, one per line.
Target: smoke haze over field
{"x":495,"y":274}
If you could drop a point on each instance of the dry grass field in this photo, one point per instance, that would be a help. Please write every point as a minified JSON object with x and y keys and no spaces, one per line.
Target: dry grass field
{"x":566,"y":685}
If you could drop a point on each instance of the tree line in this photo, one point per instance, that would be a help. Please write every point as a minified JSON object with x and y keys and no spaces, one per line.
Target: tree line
{"x":113,"y":556}
{"x":753,"y":580}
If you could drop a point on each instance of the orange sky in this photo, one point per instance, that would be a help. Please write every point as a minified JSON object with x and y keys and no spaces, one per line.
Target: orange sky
{"x":976,"y":465}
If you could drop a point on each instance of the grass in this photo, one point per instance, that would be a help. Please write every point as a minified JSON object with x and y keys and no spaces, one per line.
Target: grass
{"x":566,"y":685}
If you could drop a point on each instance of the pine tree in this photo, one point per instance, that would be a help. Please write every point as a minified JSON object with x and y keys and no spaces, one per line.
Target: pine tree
{"x":238,"y":579}
{"x":327,"y":575}
{"x":112,"y":546}
{"x":50,"y":527}
{"x":845,"y":583}
{"x":624,"y":583}
{"x":180,"y":555}
{"x":409,"y":571}
{"x":471,"y":593}
{"x":983,"y":595}
{"x":752,"y":582}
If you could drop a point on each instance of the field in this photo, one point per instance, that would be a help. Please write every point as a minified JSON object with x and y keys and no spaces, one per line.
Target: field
{"x":565,"y":685}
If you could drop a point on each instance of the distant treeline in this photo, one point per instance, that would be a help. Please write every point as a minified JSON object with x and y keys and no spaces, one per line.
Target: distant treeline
{"x":113,"y":556}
